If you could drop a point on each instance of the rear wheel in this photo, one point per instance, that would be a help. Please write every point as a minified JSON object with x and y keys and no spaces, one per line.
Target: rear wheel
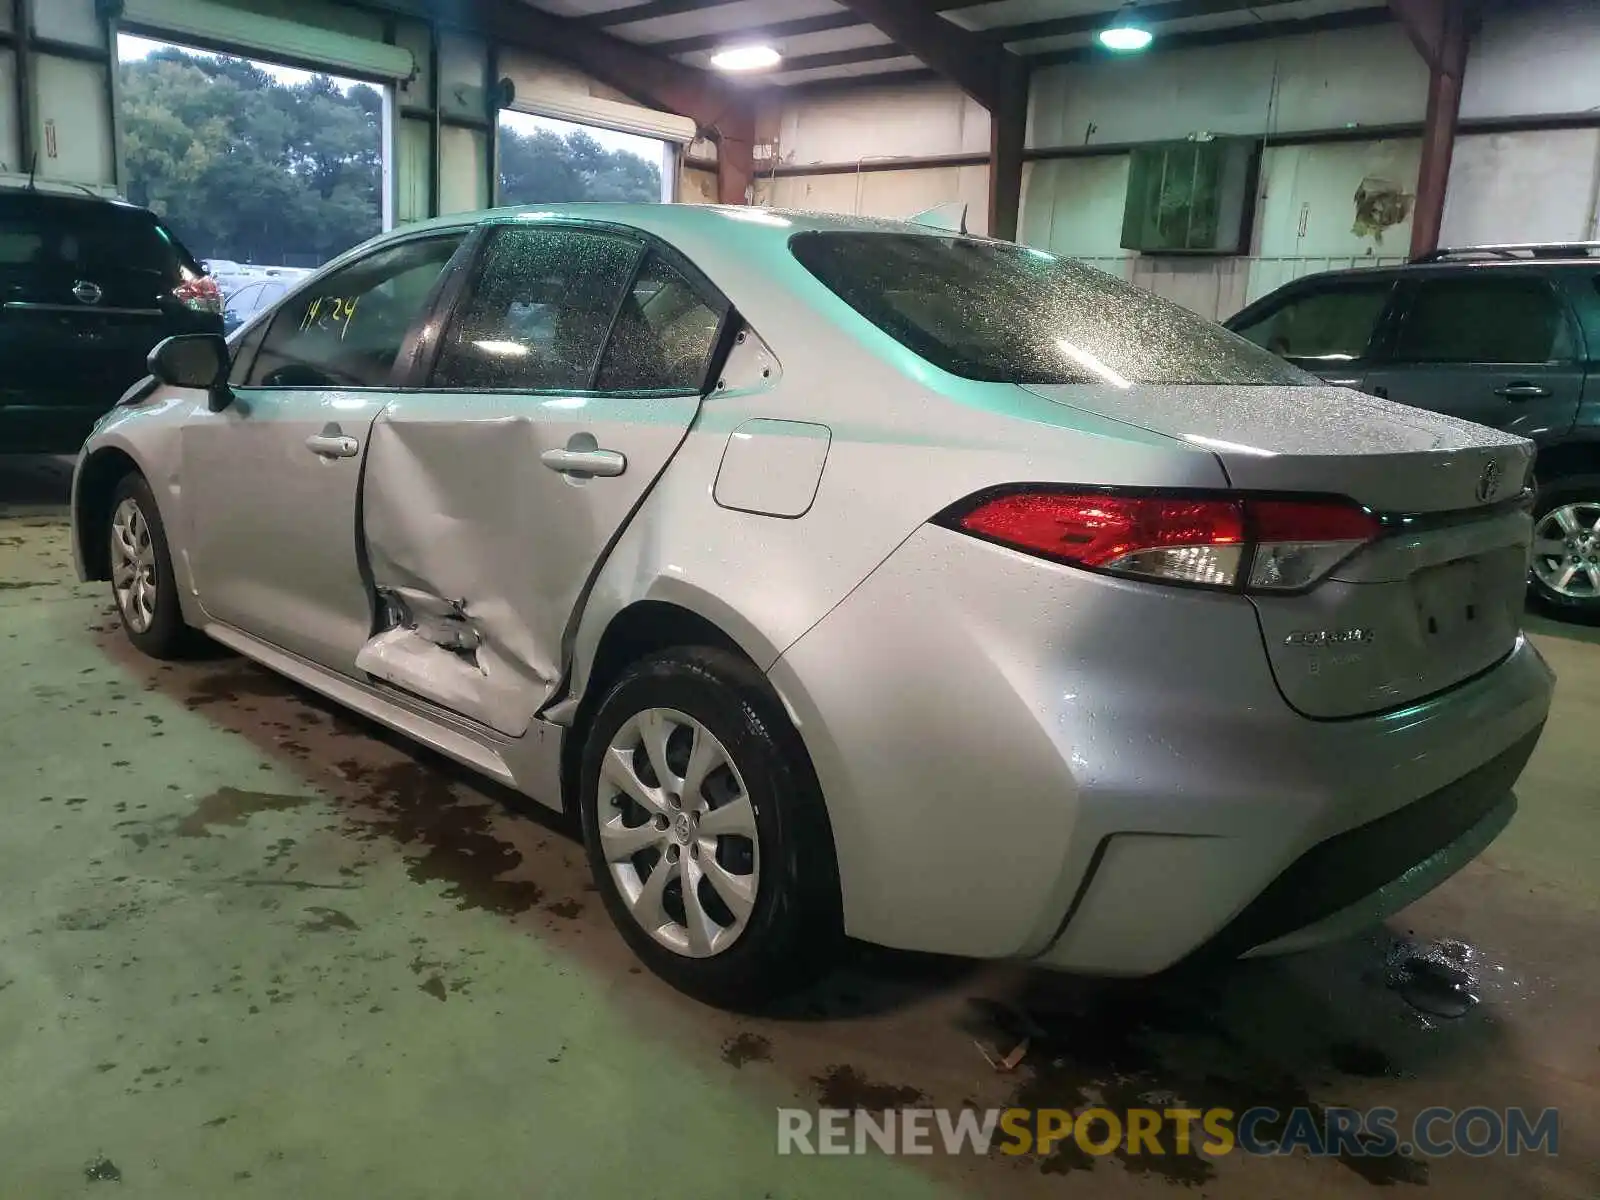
{"x":1565,"y":572}
{"x":142,"y":582}
{"x":705,"y":830}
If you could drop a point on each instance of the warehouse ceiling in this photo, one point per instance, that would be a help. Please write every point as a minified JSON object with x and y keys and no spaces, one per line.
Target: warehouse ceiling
{"x":823,"y":42}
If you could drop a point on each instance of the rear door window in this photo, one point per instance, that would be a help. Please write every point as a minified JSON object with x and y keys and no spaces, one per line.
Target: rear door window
{"x":540,"y":311}
{"x":1329,"y":326}
{"x":1484,"y":318}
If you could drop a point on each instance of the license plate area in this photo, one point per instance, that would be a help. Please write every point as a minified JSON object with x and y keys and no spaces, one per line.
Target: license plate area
{"x":1450,"y":601}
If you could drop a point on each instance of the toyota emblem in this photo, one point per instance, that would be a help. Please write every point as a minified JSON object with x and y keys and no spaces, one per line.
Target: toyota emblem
{"x":1489,"y":482}
{"x":86,"y":292}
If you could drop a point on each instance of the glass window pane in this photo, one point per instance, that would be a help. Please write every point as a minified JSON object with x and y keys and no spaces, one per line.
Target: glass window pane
{"x":347,"y":330}
{"x":1330,"y":326}
{"x":1006,"y":313}
{"x":539,"y":313}
{"x":662,"y":337}
{"x":1485,"y":320}
{"x":546,"y":161}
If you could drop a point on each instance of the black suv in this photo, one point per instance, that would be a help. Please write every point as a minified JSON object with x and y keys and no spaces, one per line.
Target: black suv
{"x":88,"y":286}
{"x":1507,"y":336}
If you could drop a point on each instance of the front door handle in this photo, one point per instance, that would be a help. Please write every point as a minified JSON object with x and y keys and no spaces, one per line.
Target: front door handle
{"x":1522,"y":391}
{"x":333,"y":445}
{"x":584,"y":463}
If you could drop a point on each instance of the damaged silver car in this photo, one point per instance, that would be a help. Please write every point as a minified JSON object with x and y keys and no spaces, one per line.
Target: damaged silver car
{"x":851,"y":577}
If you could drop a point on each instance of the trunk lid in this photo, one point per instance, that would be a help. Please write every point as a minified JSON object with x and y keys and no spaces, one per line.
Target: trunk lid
{"x":1435,"y":601}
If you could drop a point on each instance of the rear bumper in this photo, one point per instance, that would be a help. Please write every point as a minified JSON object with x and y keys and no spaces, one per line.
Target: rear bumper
{"x":1022,"y":760}
{"x":1346,"y":883}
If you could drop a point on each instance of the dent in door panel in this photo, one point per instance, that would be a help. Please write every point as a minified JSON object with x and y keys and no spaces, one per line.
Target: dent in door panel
{"x":773,"y":467}
{"x":441,"y":503}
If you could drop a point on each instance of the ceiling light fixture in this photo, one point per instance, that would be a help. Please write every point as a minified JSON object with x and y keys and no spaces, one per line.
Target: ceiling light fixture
{"x":1125,"y":35}
{"x":745,"y":58}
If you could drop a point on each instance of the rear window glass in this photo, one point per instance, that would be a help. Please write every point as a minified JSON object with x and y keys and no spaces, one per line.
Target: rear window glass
{"x":89,"y":239}
{"x":1006,"y":313}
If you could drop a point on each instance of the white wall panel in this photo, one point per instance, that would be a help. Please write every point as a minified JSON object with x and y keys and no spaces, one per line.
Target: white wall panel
{"x":907,"y":121}
{"x":69,"y":21}
{"x":72,"y":121}
{"x":896,"y":194}
{"x":1309,"y":203}
{"x":463,"y":169}
{"x":463,"y":76}
{"x":696,"y":185}
{"x":1538,"y":186}
{"x":1074,"y":205}
{"x":1367,"y":76}
{"x":1541,"y":60}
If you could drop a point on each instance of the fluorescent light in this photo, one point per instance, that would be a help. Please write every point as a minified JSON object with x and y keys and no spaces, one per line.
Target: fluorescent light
{"x":1125,"y":38}
{"x":745,"y":58}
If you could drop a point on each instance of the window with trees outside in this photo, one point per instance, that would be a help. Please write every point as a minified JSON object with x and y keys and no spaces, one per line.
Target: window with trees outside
{"x":546,"y":161}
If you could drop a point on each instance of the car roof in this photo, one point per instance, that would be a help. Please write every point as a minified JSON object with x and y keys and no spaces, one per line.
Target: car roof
{"x":1574,"y":262}
{"x":665,"y":220}
{"x":14,"y":197}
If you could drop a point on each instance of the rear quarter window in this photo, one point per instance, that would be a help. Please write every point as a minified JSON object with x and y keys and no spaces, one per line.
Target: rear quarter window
{"x":1005,"y":313}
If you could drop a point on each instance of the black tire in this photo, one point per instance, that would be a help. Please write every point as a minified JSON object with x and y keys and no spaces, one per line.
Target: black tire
{"x":1553,"y":494}
{"x":794,"y":930}
{"x":168,"y":636}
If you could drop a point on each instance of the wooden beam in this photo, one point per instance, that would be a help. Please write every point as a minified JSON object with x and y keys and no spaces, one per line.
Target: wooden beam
{"x":648,"y":11}
{"x":974,"y":64}
{"x":768,"y":33}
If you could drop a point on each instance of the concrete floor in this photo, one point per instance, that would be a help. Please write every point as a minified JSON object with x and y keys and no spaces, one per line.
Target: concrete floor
{"x":252,"y":947}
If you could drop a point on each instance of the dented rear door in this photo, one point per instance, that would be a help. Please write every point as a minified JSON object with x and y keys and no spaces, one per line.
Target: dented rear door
{"x":565,"y":381}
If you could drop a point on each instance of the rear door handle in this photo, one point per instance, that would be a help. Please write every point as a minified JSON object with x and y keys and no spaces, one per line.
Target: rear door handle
{"x":585,"y":462}
{"x":1522,"y":391}
{"x":333,"y":445}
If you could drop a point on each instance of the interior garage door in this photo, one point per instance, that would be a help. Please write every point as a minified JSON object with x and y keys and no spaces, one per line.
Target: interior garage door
{"x":204,"y":23}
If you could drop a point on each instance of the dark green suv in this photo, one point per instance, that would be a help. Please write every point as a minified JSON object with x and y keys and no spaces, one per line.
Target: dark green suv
{"x":1507,"y":336}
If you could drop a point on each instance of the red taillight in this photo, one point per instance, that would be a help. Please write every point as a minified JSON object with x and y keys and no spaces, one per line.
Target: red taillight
{"x":1268,"y":545}
{"x":200,"y":294}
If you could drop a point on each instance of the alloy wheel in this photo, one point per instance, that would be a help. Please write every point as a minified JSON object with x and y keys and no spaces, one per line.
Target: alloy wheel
{"x":133,"y":566}
{"x":1566,"y":550}
{"x":677,"y":830}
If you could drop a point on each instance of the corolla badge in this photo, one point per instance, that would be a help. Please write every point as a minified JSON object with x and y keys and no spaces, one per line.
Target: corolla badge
{"x":86,"y":292}
{"x":1489,"y":481}
{"x":1327,"y":637}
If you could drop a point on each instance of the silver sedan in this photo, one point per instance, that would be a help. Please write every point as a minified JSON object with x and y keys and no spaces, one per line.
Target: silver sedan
{"x":851,"y":578}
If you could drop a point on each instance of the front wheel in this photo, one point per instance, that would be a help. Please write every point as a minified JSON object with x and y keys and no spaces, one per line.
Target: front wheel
{"x":142,"y":581}
{"x":1565,"y":571}
{"x":705,"y":830}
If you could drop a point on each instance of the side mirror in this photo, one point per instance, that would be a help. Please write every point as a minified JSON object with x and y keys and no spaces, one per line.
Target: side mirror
{"x":194,"y":360}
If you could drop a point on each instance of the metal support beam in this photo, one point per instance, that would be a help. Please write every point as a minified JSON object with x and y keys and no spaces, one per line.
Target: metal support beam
{"x":1008,"y":130}
{"x":1441,"y":32}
